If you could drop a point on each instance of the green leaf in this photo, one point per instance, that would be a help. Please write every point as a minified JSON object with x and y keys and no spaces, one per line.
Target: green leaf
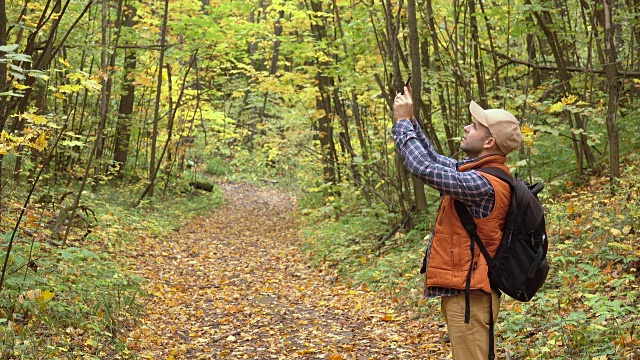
{"x":9,"y":48}
{"x":71,"y":143}
{"x":16,"y":68}
{"x":11,"y":93}
{"x":38,"y":74}
{"x":18,"y":75}
{"x":18,"y":57}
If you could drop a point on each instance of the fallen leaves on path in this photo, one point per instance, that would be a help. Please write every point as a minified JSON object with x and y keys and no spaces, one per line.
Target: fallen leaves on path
{"x":234,"y":285}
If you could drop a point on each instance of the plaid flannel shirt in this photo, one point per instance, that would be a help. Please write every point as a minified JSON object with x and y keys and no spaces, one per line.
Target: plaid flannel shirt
{"x":441,"y":173}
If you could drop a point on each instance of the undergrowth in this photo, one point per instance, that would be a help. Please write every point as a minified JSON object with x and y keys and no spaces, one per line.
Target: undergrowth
{"x":360,"y":245}
{"x":80,"y":299}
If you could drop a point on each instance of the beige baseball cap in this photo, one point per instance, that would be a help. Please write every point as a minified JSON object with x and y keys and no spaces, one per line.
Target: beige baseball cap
{"x":504,"y":127}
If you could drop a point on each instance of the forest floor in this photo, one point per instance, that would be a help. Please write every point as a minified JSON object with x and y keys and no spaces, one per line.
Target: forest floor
{"x":235,"y":285}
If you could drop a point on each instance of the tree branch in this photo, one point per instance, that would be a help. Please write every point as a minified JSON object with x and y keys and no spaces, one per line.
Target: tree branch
{"x":631,"y":74}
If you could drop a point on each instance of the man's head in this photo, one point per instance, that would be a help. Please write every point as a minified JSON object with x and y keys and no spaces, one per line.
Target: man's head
{"x":501,"y":131}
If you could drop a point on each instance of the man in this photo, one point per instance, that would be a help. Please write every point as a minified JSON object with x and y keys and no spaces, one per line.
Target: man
{"x":450,"y":266}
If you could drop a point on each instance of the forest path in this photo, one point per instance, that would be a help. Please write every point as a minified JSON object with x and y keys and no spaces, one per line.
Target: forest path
{"x":235,"y":285}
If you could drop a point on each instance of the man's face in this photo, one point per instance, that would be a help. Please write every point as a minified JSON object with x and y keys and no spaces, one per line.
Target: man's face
{"x":474,"y":139}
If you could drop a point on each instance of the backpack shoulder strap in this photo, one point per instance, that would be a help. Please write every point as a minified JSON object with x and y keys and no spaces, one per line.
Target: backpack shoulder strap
{"x":499,"y":173}
{"x":470,"y":225}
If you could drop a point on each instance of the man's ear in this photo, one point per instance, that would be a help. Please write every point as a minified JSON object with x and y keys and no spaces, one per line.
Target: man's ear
{"x":490,"y":142}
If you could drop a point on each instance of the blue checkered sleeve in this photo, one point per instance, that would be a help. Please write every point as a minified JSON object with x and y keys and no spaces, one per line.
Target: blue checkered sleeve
{"x":440,"y":172}
{"x":437,"y":158}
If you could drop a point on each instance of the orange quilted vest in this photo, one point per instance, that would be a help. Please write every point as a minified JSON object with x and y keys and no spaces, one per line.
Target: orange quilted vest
{"x":450,"y":255}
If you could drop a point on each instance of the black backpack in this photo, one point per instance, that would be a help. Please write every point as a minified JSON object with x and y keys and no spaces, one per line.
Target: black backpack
{"x":519,"y":267}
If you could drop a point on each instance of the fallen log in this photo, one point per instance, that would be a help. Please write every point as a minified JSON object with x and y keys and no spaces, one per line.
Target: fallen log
{"x":201,"y":186}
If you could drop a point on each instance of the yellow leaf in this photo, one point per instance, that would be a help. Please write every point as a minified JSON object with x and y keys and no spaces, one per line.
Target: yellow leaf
{"x":36,"y":119}
{"x":65,"y":62}
{"x":91,"y":342}
{"x":615,"y":232}
{"x":570,"y":209}
{"x":20,"y":86}
{"x":527,"y":134}
{"x":569,"y":99}
{"x":69,"y":88}
{"x":77,"y":76}
{"x":46,"y":296}
{"x":41,"y":143}
{"x":557,"y":107}
{"x":144,"y":80}
{"x":388,"y":317}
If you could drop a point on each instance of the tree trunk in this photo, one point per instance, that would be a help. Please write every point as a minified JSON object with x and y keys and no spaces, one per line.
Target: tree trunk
{"x":256,"y":114}
{"x":395,"y":56}
{"x":104,"y":80}
{"x":427,"y":122}
{"x":414,"y":53}
{"x":531,"y":54}
{"x":127,"y":100}
{"x":41,"y":63}
{"x":107,"y":62}
{"x":156,"y":113}
{"x":452,"y":145}
{"x":123,"y":128}
{"x":496,"y":67}
{"x":323,"y":105}
{"x":3,"y":67}
{"x":477,"y":60}
{"x":613,"y":85}
{"x":3,"y":84}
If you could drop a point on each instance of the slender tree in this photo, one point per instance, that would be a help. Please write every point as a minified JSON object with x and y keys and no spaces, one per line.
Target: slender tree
{"x":156,"y":111}
{"x":416,"y":72}
{"x":613,"y":87}
{"x":127,"y":101}
{"x":323,"y":100}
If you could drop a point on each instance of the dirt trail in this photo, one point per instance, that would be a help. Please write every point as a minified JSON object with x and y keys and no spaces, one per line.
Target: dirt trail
{"x":234,"y":285}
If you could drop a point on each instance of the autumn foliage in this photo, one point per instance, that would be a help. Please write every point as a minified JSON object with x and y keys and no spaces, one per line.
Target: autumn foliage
{"x":114,"y":115}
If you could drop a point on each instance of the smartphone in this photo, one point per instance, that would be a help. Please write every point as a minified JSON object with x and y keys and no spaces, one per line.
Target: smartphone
{"x":406,"y":84}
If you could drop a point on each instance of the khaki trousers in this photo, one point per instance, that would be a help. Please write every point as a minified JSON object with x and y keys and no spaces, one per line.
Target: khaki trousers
{"x":470,"y":341}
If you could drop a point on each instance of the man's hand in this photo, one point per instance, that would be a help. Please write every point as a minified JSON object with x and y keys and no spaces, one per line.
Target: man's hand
{"x":403,"y":106}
